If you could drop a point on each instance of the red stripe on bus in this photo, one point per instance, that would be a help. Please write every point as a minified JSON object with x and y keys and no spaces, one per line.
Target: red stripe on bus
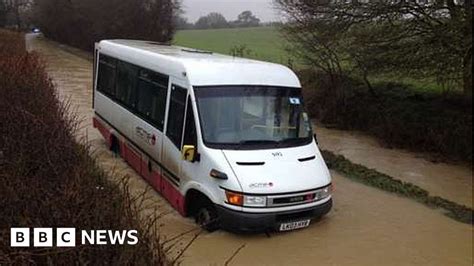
{"x":174,"y":197}
{"x":132,"y":157}
{"x":103,"y":130}
{"x":153,"y":177}
{"x":140,"y":165}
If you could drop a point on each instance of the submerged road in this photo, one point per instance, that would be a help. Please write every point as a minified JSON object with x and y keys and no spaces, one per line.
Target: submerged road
{"x":452,"y":182}
{"x":367,"y":226}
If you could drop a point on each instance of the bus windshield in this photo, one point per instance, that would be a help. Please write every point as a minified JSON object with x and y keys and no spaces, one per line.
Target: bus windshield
{"x":252,"y":117}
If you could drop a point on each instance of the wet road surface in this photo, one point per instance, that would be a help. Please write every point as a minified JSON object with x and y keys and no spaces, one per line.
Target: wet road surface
{"x":453,"y":182}
{"x":366,"y":226}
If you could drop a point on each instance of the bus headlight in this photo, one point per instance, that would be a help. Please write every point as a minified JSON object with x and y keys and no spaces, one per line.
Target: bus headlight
{"x":255,"y":201}
{"x":323,"y":193}
{"x":239,"y":199}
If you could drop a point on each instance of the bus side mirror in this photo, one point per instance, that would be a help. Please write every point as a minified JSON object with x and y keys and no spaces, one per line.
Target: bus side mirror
{"x":189,"y":153}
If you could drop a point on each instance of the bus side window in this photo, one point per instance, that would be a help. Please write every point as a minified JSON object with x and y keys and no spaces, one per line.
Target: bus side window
{"x":106,"y":78}
{"x":174,"y":128}
{"x":151,"y":99}
{"x":126,"y":79}
{"x":190,"y":135}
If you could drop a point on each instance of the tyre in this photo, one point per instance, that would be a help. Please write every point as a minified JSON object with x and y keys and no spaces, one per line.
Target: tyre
{"x":207,"y":217}
{"x":115,"y":146}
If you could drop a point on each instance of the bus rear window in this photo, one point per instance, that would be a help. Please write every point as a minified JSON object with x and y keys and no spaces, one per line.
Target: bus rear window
{"x":107,"y":72}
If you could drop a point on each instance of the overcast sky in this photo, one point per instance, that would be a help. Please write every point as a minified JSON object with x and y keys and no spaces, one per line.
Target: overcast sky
{"x":263,"y":9}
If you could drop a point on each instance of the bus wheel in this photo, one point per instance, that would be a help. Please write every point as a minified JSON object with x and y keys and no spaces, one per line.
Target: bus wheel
{"x":115,"y":145}
{"x":207,"y":217}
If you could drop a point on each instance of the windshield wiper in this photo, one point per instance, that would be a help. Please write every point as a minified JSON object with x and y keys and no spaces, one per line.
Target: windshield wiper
{"x":292,"y":140}
{"x":258,"y":142}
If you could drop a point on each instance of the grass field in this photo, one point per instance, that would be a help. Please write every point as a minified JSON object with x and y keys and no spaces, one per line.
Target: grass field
{"x":265,"y":43}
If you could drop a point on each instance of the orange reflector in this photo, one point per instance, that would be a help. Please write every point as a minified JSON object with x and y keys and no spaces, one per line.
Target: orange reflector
{"x":234,"y":198}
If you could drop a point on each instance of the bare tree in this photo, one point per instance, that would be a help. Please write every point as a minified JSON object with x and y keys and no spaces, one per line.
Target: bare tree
{"x":83,"y":22}
{"x":212,"y":21}
{"x":247,"y":19}
{"x":3,"y":13}
{"x":14,"y":8}
{"x":420,"y":38}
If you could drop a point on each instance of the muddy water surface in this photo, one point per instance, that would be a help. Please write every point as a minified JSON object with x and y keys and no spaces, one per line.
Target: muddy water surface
{"x":453,"y":182}
{"x":366,"y":227}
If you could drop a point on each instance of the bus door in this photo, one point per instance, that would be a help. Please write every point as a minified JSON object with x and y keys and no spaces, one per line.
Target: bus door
{"x":150,"y":106}
{"x":172,"y":142}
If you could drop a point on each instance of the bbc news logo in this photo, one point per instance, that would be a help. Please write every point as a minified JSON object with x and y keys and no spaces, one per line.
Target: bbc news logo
{"x":66,"y":237}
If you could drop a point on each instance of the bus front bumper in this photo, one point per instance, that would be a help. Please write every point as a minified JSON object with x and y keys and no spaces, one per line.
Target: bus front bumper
{"x":260,"y":222}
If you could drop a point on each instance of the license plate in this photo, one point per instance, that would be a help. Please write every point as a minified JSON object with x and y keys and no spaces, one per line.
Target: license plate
{"x":294,"y":225}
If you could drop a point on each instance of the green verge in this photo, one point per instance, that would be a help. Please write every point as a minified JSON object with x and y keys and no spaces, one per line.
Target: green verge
{"x":376,"y":179}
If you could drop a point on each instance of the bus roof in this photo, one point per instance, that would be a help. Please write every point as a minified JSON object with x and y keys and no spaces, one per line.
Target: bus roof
{"x":201,"y":68}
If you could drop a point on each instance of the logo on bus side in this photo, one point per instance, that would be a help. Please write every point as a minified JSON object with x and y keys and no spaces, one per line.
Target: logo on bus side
{"x":147,"y":137}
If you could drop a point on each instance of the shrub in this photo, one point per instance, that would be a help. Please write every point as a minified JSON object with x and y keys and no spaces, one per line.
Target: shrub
{"x":49,"y":180}
{"x":398,"y":115}
{"x":11,"y":43}
{"x":81,"y":23}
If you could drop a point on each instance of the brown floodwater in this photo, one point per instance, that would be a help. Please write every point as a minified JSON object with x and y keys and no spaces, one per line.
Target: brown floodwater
{"x":453,"y":182}
{"x":366,"y":226}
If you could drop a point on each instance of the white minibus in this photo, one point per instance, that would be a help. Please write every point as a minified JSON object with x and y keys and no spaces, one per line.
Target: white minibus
{"x":225,"y":140}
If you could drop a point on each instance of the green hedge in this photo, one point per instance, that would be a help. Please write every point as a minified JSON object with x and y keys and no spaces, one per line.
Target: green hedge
{"x":48,"y":180}
{"x":398,"y":115}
